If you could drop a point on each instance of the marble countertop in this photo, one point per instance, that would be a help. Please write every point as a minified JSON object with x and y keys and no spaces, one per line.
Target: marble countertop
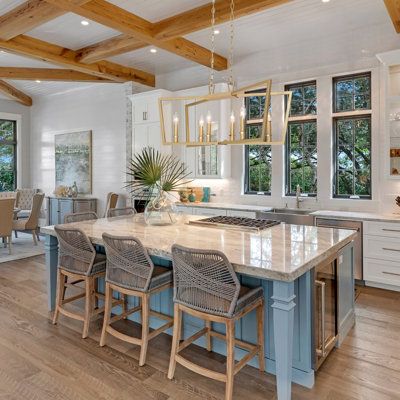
{"x":359,"y":216}
{"x":226,"y":206}
{"x":282,"y":252}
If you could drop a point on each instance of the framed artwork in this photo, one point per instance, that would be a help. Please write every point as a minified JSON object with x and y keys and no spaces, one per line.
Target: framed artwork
{"x":73,"y":159}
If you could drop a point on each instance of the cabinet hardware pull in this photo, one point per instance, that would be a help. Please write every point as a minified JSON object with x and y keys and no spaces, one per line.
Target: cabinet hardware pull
{"x":391,"y":230}
{"x":388,"y":249}
{"x":390,"y":273}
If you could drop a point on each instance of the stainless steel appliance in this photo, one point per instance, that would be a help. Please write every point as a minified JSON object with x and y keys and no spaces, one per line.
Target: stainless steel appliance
{"x":239,"y":223}
{"x":358,"y":244}
{"x":325,"y":310}
{"x":288,"y":215}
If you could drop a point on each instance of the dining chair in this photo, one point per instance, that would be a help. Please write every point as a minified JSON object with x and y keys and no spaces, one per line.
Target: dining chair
{"x":119,"y":212}
{"x":6,"y":221}
{"x":31,"y":224}
{"x":111,"y":202}
{"x":206,"y":287}
{"x":79,"y":217}
{"x":131,"y":272}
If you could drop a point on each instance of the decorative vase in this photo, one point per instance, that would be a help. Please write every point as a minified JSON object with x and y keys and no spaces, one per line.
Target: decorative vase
{"x":160,"y":211}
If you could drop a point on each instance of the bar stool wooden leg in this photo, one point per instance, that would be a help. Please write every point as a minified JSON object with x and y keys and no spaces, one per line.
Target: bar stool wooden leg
{"x":59,"y":295}
{"x":208,"y":335}
{"x":175,"y":340}
{"x":107,"y":313}
{"x":230,"y":359}
{"x":145,"y":329}
{"x":260,"y":337}
{"x":89,"y":285}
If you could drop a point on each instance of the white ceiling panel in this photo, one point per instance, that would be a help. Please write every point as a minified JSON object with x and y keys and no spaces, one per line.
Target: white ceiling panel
{"x":67,"y":31}
{"x":8,"y":5}
{"x":14,"y":60}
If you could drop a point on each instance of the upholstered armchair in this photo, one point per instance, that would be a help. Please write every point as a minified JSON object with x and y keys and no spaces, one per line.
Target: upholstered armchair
{"x":31,"y":224}
{"x":6,"y":220}
{"x":10,"y":195}
{"x":24,"y":201}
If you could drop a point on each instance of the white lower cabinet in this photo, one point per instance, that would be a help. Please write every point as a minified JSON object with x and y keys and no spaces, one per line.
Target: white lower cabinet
{"x":382,"y":254}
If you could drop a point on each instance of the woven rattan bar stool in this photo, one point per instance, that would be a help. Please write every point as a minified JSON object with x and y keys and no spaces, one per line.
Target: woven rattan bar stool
{"x":79,"y":262}
{"x":130,"y":271}
{"x":119,"y":212}
{"x":79,"y":217}
{"x":206,"y":287}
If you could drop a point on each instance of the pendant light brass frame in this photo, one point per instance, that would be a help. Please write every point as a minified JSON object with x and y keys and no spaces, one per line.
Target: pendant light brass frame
{"x":266,"y":134}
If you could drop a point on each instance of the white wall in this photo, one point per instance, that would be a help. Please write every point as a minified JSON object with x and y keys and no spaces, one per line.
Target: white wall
{"x":11,"y":109}
{"x":101,"y":109}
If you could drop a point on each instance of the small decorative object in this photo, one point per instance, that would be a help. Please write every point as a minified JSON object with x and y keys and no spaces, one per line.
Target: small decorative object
{"x":192,"y":196}
{"x":154,"y":175}
{"x":73,"y":158}
{"x":183,"y":196}
{"x":397,"y":199}
{"x":206,"y":195}
{"x":61,"y":191}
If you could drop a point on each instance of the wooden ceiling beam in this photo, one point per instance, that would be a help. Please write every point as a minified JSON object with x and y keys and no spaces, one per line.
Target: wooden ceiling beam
{"x":48,"y":74}
{"x":44,"y":51}
{"x":28,"y":16}
{"x":15,"y":94}
{"x":393,"y":7}
{"x":119,"y":19}
{"x":108,"y":48}
{"x":199,"y":18}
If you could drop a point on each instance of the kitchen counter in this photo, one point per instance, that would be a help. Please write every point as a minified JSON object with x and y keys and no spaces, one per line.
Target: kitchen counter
{"x":358,"y":216}
{"x":226,"y":206}
{"x":280,"y":259}
{"x":282,"y":252}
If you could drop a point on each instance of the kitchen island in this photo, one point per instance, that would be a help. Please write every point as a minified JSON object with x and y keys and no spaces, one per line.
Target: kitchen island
{"x":281,"y":258}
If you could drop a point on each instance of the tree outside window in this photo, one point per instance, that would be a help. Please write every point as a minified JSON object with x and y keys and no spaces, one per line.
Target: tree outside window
{"x":8,"y":144}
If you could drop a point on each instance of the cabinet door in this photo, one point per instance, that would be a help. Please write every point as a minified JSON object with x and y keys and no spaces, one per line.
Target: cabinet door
{"x":154,"y":136}
{"x":53,"y":212}
{"x":140,"y":111}
{"x":153,"y":114}
{"x":82,"y":206}
{"x":65,"y":208}
{"x":140,"y":140}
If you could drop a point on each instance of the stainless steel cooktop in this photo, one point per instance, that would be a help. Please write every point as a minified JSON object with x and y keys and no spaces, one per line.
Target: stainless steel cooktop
{"x":239,"y":223}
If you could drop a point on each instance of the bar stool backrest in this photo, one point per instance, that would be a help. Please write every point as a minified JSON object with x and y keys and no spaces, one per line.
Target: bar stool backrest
{"x":119,"y":212}
{"x":128,"y":263}
{"x":76,"y":252}
{"x":81,"y":216}
{"x":204,"y":280}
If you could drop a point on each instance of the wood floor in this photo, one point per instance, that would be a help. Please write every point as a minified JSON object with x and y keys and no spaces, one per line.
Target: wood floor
{"x":40,"y":361}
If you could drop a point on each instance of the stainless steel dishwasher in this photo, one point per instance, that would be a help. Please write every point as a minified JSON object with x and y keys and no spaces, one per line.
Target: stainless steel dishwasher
{"x":358,"y":243}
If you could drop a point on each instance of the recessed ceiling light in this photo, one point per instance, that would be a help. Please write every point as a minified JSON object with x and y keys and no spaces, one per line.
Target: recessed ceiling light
{"x":38,"y":81}
{"x":326,"y":1}
{"x":153,"y":50}
{"x":84,"y":22}
{"x":217,"y":31}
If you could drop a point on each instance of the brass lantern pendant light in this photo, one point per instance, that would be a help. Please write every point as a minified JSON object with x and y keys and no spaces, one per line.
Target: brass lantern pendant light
{"x":200,"y":127}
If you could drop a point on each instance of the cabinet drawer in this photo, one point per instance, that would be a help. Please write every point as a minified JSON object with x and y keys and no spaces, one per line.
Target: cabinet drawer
{"x":380,"y":271}
{"x":212,"y":212}
{"x":387,"y":229}
{"x":237,"y":213}
{"x":382,"y":248}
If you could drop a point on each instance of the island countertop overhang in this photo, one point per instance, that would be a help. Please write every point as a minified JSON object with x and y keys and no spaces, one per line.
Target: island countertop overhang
{"x":283,"y":252}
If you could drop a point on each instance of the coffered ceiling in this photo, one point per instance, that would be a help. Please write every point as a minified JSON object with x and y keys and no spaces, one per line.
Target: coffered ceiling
{"x":292,"y":34}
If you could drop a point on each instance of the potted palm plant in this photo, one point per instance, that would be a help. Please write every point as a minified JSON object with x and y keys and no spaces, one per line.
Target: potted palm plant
{"x":153,"y":176}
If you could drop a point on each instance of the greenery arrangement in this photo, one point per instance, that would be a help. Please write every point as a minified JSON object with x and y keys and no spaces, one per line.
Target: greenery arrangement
{"x":152,"y":172}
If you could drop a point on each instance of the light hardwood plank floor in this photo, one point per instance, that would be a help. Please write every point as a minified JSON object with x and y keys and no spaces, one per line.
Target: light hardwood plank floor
{"x":42,"y":361}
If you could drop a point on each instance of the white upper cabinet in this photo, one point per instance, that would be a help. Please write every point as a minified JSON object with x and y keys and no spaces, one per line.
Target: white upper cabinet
{"x":145,"y":106}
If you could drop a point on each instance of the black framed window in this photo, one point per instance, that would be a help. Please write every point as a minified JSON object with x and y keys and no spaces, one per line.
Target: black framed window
{"x":301,"y":140}
{"x":352,"y":93}
{"x":352,"y":156}
{"x":8,"y":155}
{"x":258,"y":160}
{"x":301,"y":157}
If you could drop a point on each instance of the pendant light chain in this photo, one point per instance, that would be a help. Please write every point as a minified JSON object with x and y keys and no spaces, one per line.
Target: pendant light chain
{"x":231,"y":81}
{"x":211,"y":85}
